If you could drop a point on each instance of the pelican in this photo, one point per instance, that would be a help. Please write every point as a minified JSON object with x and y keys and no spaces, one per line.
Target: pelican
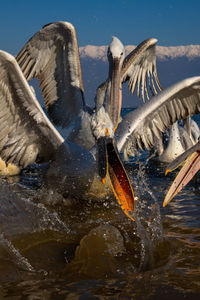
{"x":28,"y":136}
{"x":179,"y":140}
{"x":142,"y":127}
{"x":52,"y":56}
{"x":56,"y":63}
{"x":192,"y":129}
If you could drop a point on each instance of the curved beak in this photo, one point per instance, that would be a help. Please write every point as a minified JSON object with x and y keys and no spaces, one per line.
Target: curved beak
{"x":187,"y":172}
{"x":109,"y":163}
{"x":115,"y":93}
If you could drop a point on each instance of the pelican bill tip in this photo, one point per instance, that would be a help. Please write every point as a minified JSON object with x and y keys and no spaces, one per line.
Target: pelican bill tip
{"x":167,"y":200}
{"x":103,"y":180}
{"x":167,"y":171}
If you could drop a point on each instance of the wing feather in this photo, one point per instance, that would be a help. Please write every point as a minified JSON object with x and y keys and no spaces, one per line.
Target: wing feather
{"x":52,"y":55}
{"x":25,"y":131}
{"x":139,"y":67}
{"x":141,"y":126}
{"x":144,"y":58}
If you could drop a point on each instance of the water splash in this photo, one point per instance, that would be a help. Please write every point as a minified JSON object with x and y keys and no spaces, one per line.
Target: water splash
{"x":45,"y":218}
{"x":146,"y":253}
{"x":147,"y":217}
{"x":20,"y":260}
{"x":150,"y":205}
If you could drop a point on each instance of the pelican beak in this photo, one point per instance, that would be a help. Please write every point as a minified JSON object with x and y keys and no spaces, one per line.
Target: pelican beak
{"x":116,"y":93}
{"x":187,"y":172}
{"x":110,"y":164}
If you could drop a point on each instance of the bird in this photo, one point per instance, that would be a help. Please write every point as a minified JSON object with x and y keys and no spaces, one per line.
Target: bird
{"x":52,"y":56}
{"x":62,"y":86}
{"x":192,"y":129}
{"x":179,"y":139}
{"x":142,"y":127}
{"x":28,"y":136}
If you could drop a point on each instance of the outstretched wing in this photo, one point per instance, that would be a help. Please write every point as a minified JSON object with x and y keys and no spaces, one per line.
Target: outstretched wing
{"x":25,"y":132}
{"x":52,"y":55}
{"x":140,"y":127}
{"x":139,"y":68}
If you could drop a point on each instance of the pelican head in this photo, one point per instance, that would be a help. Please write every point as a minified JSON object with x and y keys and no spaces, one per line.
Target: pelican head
{"x":116,"y":49}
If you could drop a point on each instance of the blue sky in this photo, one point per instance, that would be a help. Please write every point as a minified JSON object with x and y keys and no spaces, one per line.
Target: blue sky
{"x":175,"y":22}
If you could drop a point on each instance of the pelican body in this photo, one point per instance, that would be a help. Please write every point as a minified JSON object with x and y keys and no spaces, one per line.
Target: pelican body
{"x":179,"y":139}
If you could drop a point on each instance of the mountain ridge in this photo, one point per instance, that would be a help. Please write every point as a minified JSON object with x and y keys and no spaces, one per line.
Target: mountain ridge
{"x":162,"y":52}
{"x":174,"y":63}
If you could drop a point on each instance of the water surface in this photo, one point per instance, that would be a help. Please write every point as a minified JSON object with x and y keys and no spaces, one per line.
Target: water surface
{"x":56,"y":248}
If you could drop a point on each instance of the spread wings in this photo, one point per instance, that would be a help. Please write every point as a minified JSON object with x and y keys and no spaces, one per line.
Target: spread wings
{"x":52,"y":55}
{"x":140,"y":127}
{"x":139,"y":67}
{"x":25,"y":131}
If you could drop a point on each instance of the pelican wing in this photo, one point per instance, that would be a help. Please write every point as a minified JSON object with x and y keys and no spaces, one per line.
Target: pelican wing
{"x":52,"y":55}
{"x":139,"y":67}
{"x":25,"y":132}
{"x":140,"y":127}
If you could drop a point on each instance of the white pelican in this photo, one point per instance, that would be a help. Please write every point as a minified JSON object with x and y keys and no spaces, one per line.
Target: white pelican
{"x":179,"y":140}
{"x":143,"y":126}
{"x":56,"y":63}
{"x":26,"y":134}
{"x":192,"y":129}
{"x":52,"y":56}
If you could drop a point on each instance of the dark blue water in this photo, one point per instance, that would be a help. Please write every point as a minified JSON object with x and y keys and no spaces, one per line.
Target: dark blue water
{"x":50,"y":249}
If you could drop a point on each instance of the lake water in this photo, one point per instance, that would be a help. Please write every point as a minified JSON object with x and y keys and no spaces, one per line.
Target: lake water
{"x":51,"y":248}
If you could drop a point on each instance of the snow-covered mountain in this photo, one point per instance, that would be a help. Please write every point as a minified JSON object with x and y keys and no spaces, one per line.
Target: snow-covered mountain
{"x":173,"y":64}
{"x":163,"y":53}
